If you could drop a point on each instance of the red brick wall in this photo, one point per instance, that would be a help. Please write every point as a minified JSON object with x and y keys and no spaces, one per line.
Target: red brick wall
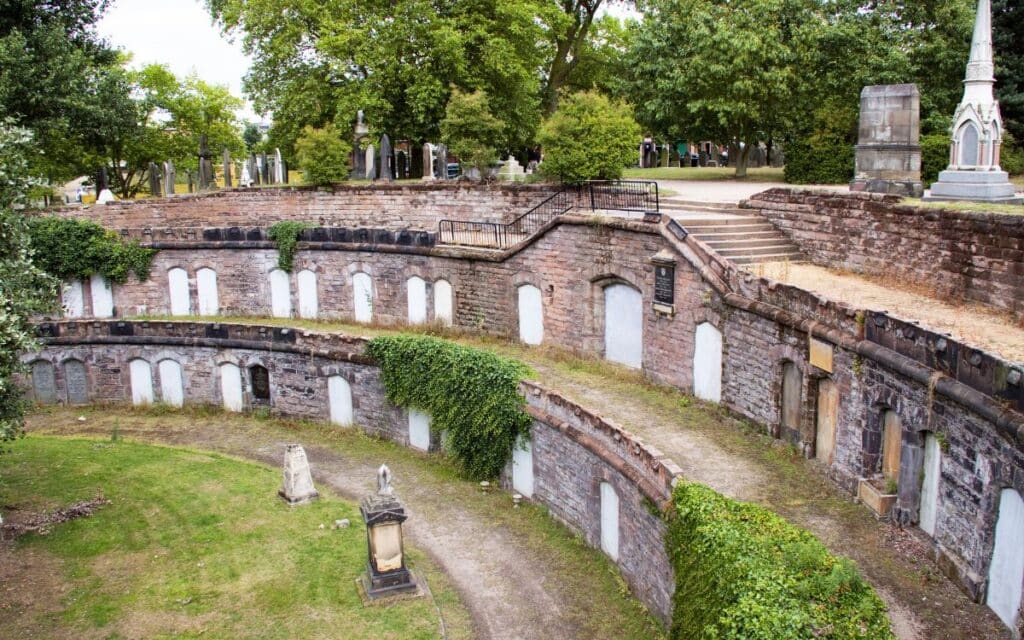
{"x":975,"y":257}
{"x":393,"y":206}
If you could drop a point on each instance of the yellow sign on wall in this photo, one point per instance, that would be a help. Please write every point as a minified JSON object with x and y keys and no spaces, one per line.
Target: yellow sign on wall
{"x":821,"y":354}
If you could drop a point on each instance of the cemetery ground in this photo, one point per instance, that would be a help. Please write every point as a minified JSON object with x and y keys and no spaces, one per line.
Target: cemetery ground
{"x":705,"y":174}
{"x":735,"y":457}
{"x":190,"y":544}
{"x":198,"y":544}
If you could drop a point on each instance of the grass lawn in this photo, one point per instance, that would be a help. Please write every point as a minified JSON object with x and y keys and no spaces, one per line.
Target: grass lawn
{"x":192,"y":545}
{"x":975,"y":207}
{"x":763,"y":174}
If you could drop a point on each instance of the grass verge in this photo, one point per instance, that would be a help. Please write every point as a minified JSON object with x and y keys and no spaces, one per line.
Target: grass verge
{"x":761,"y":174}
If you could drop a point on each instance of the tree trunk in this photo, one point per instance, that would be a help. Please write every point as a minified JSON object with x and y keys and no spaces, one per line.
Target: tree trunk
{"x":741,"y":160}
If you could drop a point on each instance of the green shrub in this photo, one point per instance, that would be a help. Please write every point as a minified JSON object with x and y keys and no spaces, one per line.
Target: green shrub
{"x":471,"y":395}
{"x":744,"y":573}
{"x":819,"y":159}
{"x":934,"y":156}
{"x":589,"y":137}
{"x":1011,"y":156}
{"x":323,"y":155}
{"x":470,"y":131}
{"x":285,"y":235}
{"x":71,"y":249}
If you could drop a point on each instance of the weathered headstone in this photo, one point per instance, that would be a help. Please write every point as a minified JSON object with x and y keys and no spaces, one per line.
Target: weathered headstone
{"x":264,"y":169}
{"x":974,"y":173}
{"x":888,"y":153}
{"x":254,"y":170}
{"x":154,"y":180}
{"x":428,"y":162}
{"x":43,"y":383}
{"x":189,"y":182}
{"x":76,"y":382}
{"x":205,"y":173}
{"x":401,"y":166}
{"x":298,"y":480}
{"x":245,"y":180}
{"x":284,"y":172}
{"x":278,"y":167}
{"x":227,"y":168}
{"x":170,"y":177}
{"x":415,"y":163}
{"x":386,"y":160}
{"x":371,"y":163}
{"x":442,"y":162}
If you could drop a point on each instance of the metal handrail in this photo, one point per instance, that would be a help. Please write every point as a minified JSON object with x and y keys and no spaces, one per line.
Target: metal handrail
{"x":619,"y":195}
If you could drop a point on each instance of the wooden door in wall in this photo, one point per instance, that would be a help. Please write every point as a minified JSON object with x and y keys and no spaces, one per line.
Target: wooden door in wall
{"x":1006,"y":573}
{"x":827,"y":420}
{"x":623,"y":325}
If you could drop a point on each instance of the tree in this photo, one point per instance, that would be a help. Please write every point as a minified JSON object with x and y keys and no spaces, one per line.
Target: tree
{"x":50,"y":63}
{"x":1008,"y":40}
{"x":251,"y":136}
{"x":25,"y":291}
{"x":470,"y":131}
{"x":323,"y":155}
{"x":589,"y":137}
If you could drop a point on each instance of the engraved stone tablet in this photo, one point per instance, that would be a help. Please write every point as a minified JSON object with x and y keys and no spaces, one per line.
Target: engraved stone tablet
{"x":43,"y":382}
{"x":77,"y":384}
{"x":664,"y":284}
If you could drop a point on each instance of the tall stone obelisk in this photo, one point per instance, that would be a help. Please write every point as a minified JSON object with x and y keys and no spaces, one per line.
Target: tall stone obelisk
{"x":973,"y":172}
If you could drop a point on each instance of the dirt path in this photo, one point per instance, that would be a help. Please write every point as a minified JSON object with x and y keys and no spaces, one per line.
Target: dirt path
{"x":728,"y":456}
{"x":512,"y":583}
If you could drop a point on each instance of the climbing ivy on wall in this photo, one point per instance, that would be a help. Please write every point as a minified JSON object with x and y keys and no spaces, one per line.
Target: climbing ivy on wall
{"x":744,"y":573}
{"x":471,"y":395}
{"x":286,"y":236}
{"x":71,"y":249}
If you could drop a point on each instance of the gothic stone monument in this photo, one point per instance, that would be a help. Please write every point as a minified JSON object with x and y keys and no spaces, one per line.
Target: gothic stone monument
{"x":973,"y":172}
{"x":888,"y":153}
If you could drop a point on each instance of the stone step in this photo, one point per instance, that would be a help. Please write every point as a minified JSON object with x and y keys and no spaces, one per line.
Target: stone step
{"x":682,"y":203}
{"x":702,"y":230}
{"x":792,"y":258}
{"x":736,"y":235}
{"x":682,"y":210}
{"x":771,"y":249}
{"x":722,"y":246}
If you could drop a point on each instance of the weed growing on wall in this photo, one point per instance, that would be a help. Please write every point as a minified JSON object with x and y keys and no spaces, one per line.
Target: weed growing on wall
{"x":286,"y":236}
{"x":471,"y":395}
{"x":71,"y":249}
{"x":744,"y":573}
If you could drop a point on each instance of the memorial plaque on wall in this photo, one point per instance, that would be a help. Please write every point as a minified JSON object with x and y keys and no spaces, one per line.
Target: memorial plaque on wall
{"x":260,"y":378}
{"x":43,"y":382}
{"x":76,"y":381}
{"x":664,"y":284}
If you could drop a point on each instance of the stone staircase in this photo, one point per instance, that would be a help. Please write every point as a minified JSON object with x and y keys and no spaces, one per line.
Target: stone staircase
{"x":738,"y":235}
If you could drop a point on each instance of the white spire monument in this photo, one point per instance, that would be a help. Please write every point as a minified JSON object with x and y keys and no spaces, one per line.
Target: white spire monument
{"x":973,"y":172}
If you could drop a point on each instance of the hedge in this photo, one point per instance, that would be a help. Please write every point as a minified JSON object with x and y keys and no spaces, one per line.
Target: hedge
{"x":819,"y":159}
{"x":744,"y":573}
{"x":472,"y":396}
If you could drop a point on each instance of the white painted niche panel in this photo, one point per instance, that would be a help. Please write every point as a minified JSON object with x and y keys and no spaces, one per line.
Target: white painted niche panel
{"x":339,"y":393}
{"x":72,"y":299}
{"x":419,"y":430}
{"x":280,"y":294}
{"x":707,"y":363}
{"x":624,"y":325}
{"x":1006,"y":574}
{"x":609,"y":521}
{"x":206,"y":288}
{"x":141,"y":374}
{"x":531,"y":315}
{"x":172,"y":388}
{"x":522,"y":467}
{"x":309,"y":300}
{"x":102,"y":296}
{"x":362,"y":297}
{"x":444,"y":303}
{"x":416,"y":295}
{"x":231,"y":386}
{"x":177,"y":283}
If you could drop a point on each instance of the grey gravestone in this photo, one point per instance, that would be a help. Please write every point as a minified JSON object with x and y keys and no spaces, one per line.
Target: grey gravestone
{"x":428,"y":162}
{"x":76,"y":382}
{"x":189,"y":176}
{"x":297,"y":486}
{"x":358,"y":163}
{"x":264,"y":169}
{"x":227,"y":167}
{"x":170,"y":177}
{"x":254,"y":174}
{"x":888,"y":153}
{"x":272,"y":171}
{"x":43,"y":382}
{"x":441,"y":172}
{"x":205,"y":173}
{"x":154,"y":180}
{"x":371,"y":162}
{"x":278,"y":167}
{"x":386,"y":160}
{"x":284,"y":172}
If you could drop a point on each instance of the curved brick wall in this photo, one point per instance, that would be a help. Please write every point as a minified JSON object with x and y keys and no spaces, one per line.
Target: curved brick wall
{"x":973,"y":400}
{"x":573,"y":450}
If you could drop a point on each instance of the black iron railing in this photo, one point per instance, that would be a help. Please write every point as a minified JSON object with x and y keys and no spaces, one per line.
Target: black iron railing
{"x":617,"y":195}
{"x":624,"y":195}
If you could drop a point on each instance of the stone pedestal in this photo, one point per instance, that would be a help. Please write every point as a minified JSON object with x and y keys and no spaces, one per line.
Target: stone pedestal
{"x":975,"y":186}
{"x":888,"y":156}
{"x":298,"y":481}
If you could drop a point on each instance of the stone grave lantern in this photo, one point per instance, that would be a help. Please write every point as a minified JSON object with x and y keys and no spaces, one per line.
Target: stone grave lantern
{"x":384,"y":514}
